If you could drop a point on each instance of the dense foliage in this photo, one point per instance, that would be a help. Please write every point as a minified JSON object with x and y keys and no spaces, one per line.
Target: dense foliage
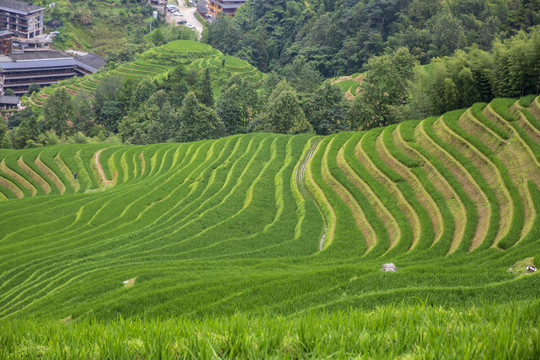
{"x":339,"y":36}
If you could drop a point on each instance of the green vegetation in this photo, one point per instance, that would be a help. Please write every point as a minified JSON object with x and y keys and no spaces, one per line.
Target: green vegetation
{"x":387,"y":332}
{"x":270,"y":245}
{"x":339,"y":38}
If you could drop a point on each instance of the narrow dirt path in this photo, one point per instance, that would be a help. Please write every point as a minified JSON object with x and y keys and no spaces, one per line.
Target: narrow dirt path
{"x":100,"y":169}
{"x":300,"y":180}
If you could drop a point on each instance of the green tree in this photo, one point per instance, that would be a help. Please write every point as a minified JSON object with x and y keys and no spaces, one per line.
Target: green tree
{"x":326,"y":110}
{"x":58,"y":110}
{"x":110,"y":115}
{"x":5,"y":142}
{"x":385,"y":88}
{"x":142,"y":92}
{"x":285,"y":115}
{"x":237,"y":104}
{"x":165,"y":125}
{"x":108,"y":92}
{"x":83,"y":113}
{"x":176,"y":85}
{"x":303,"y":76}
{"x":9,"y":92}
{"x":198,"y":121}
{"x":33,"y":88}
{"x":206,"y":96}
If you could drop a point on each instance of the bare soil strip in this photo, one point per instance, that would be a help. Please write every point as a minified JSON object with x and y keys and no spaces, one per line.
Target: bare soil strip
{"x":358,"y":214}
{"x":67,"y":173}
{"x":42,"y":183}
{"x":402,"y":203}
{"x":462,"y":176}
{"x":51,"y":175}
{"x":18,"y":177}
{"x":384,"y":214}
{"x":11,"y":187}
{"x":143,"y":162}
{"x":421,"y":194}
{"x":102,"y":177}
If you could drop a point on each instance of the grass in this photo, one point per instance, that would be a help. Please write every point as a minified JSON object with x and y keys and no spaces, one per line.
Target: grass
{"x":420,"y":330}
{"x":223,"y":238}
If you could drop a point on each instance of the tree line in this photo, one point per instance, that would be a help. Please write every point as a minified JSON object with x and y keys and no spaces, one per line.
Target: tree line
{"x":398,"y":88}
{"x":183,"y":106}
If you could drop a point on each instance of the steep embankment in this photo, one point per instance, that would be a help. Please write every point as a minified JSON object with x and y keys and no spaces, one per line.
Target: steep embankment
{"x":275,"y":223}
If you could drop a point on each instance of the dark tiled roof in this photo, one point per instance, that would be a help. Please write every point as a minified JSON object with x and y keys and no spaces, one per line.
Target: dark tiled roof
{"x":92,"y":60}
{"x":37,"y":64}
{"x":39,"y":55}
{"x":19,"y":6}
{"x":9,"y":100}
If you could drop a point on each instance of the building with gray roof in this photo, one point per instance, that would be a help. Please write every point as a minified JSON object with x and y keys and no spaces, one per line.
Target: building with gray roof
{"x":19,"y":71}
{"x":23,"y":19}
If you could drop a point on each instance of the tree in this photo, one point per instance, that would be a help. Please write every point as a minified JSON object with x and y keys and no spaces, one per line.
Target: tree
{"x":326,"y":109}
{"x":206,"y":93}
{"x":447,"y":33}
{"x":27,"y":133}
{"x":5,"y":142}
{"x":165,"y":125}
{"x":303,"y":76}
{"x":176,"y":85}
{"x":385,"y":87}
{"x":237,"y":104}
{"x":110,"y":115}
{"x":33,"y":88}
{"x":109,"y":89}
{"x":157,"y":37}
{"x":9,"y":92}
{"x":58,"y":110}
{"x":142,"y":92}
{"x":198,"y":121}
{"x":83,"y":113}
{"x":285,"y":115}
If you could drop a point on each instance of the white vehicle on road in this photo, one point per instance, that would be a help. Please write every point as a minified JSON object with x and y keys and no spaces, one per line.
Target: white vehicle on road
{"x":190,"y":25}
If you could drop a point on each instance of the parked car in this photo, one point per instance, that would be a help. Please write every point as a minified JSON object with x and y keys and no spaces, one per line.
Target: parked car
{"x":181,"y":22}
{"x":190,"y":26}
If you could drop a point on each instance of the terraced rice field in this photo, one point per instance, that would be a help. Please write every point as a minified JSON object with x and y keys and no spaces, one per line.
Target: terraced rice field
{"x":275,"y":224}
{"x":155,"y":63}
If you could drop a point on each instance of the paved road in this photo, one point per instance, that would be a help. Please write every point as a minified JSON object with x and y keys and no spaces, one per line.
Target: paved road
{"x":188,"y":15}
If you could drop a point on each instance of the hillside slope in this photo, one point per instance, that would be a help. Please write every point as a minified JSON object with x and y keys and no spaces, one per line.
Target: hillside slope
{"x":273,"y":223}
{"x":156,"y":63}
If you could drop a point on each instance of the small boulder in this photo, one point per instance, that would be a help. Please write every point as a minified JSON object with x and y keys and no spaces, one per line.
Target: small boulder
{"x":531,"y":269}
{"x":389,"y":267}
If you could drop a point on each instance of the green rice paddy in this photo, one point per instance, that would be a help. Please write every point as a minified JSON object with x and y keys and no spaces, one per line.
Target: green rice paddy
{"x":270,"y":246}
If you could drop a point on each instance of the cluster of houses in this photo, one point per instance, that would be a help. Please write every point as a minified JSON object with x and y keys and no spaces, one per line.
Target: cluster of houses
{"x":25,"y":56}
